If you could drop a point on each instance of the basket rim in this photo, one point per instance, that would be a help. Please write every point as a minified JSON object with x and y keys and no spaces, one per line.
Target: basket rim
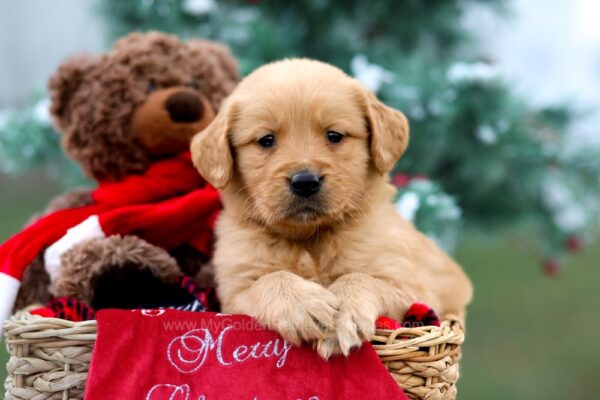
{"x":411,"y":339}
{"x":24,"y":327}
{"x":35,"y":327}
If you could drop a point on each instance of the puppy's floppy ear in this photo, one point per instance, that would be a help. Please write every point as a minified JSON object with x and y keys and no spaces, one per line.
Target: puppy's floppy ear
{"x":389,"y":133}
{"x":211,"y":151}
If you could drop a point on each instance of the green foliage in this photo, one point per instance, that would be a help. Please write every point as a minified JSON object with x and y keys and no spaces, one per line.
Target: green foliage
{"x":28,"y":141}
{"x":334,"y":31}
{"x":435,"y":213}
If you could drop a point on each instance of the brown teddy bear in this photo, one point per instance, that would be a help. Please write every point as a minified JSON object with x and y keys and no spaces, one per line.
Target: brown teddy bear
{"x":125,"y":117}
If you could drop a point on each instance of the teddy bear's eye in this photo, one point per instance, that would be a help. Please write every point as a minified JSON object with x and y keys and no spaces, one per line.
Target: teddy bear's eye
{"x":193,"y":85}
{"x":151,"y":87}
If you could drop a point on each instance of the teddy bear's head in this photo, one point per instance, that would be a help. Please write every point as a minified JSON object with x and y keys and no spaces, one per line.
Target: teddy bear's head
{"x":143,"y":100}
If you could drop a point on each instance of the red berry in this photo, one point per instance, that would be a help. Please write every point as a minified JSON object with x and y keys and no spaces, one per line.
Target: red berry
{"x":573,"y":243}
{"x":401,"y":180}
{"x":551,"y":267}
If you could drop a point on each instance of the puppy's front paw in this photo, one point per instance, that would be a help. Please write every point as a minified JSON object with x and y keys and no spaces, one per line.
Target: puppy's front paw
{"x":328,"y":346}
{"x":354,"y":323}
{"x":342,"y":340}
{"x":307,"y":313}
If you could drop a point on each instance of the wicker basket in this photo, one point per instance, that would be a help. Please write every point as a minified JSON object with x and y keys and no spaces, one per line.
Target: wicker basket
{"x":424,"y":360}
{"x":50,"y":358}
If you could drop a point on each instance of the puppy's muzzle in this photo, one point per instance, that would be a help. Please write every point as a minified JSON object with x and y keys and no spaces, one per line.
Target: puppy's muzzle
{"x":305,"y":183}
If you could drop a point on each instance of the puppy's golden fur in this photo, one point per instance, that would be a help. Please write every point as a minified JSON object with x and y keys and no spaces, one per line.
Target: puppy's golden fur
{"x":320,"y":269}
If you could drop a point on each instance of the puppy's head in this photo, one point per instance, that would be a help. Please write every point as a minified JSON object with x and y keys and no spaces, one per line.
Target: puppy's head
{"x":299,"y":143}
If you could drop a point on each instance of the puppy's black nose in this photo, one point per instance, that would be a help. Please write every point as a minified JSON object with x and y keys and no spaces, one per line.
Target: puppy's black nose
{"x":184,"y":106}
{"x":305,"y":183}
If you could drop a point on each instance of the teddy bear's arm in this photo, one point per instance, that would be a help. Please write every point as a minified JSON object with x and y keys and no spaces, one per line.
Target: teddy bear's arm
{"x":76,"y":198}
{"x":35,"y":284}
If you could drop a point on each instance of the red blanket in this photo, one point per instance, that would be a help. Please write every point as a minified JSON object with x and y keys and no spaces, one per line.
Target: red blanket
{"x":177,"y":355}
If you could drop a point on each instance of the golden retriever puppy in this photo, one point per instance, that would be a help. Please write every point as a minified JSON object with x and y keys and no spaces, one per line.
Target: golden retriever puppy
{"x":309,"y":242}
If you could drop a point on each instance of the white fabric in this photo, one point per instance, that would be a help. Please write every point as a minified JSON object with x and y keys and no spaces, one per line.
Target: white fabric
{"x":9,"y":287}
{"x":88,"y":229}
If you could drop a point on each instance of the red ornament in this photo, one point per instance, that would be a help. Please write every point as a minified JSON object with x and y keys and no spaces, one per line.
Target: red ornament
{"x":387,"y":323}
{"x":573,"y":243}
{"x":401,"y":180}
{"x":551,"y":267}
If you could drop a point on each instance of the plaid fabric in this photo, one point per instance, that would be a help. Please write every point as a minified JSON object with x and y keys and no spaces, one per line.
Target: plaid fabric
{"x":72,"y":309}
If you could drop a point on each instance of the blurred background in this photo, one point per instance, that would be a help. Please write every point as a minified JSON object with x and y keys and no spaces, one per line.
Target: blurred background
{"x":503,"y":168}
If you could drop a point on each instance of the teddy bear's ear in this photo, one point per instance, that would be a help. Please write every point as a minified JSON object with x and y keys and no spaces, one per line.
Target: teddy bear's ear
{"x":217,"y":68}
{"x":65,"y":83}
{"x":133,"y":39}
{"x":152,"y":41}
{"x":222,"y":56}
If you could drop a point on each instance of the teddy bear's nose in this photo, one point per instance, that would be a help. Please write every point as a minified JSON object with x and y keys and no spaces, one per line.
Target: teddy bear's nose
{"x":184,"y":107}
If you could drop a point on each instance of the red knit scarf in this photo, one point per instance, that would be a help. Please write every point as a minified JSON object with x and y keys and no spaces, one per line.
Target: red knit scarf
{"x":168,"y":205}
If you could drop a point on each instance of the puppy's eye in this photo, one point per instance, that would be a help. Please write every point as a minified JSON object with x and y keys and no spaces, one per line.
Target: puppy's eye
{"x":334,"y":137}
{"x":266,"y":141}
